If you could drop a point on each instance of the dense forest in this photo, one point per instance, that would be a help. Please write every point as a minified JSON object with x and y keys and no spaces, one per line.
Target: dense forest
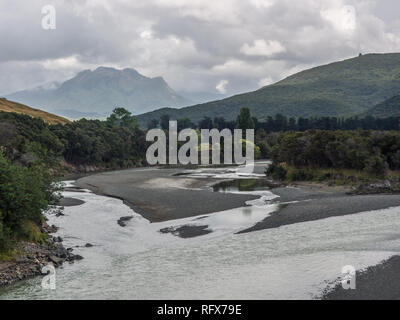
{"x":299,"y":156}
{"x":114,"y":143}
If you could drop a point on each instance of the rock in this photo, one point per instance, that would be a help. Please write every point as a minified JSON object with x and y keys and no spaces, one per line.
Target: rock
{"x":377,"y":187}
{"x":77,"y":257}
{"x":381,"y":184}
{"x":123,"y":220}
{"x":56,"y":260}
{"x":45,"y":228}
{"x":57,"y":239}
{"x":88,"y":245}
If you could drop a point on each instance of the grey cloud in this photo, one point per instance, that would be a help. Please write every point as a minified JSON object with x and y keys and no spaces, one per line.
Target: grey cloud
{"x":193,"y":44}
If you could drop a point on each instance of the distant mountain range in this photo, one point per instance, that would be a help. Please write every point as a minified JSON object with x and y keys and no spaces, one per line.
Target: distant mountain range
{"x":11,"y":106}
{"x":344,"y":88}
{"x":96,"y":93}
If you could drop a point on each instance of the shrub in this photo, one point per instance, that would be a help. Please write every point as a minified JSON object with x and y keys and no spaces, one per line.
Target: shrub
{"x":31,"y":232}
{"x":376,"y":166}
{"x":300,"y":175}
{"x":276,"y":171}
{"x":24,"y":194}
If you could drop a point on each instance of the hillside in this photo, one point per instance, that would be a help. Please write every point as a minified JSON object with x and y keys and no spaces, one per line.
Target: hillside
{"x":96,"y":93}
{"x":342,"y":88}
{"x":10,"y":106}
{"x":388,"y":108}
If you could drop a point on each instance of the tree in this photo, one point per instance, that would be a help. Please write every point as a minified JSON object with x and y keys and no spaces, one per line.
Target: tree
{"x":244,"y":120}
{"x":152,"y":124}
{"x":164,"y":121}
{"x":219,"y":123}
{"x":280,"y":122}
{"x":184,"y":123}
{"x":122,"y":118}
{"x":206,"y":123}
{"x":376,"y":165}
{"x":24,"y":194}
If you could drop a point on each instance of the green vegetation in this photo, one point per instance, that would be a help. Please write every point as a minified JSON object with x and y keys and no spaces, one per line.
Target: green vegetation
{"x":244,"y":120}
{"x":264,"y":137}
{"x":341,"y":156}
{"x":345,"y":177}
{"x":388,"y":107}
{"x":345,"y":88}
{"x":115,"y":143}
{"x":25,"y":192}
{"x":283,"y":123}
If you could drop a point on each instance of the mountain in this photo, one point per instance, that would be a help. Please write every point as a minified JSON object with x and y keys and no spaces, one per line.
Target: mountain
{"x":342,"y":88}
{"x":10,"y":106}
{"x":96,"y":93}
{"x":202,"y":96}
{"x":388,"y":108}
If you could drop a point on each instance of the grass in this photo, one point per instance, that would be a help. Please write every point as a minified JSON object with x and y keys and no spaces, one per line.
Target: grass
{"x":10,"y":106}
{"x":7,"y":255}
{"x":31,"y":232}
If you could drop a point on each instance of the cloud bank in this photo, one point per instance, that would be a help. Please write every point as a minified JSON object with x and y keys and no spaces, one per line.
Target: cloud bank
{"x":227,"y":46}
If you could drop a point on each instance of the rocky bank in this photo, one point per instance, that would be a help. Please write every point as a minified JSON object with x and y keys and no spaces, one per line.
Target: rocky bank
{"x":33,"y":257}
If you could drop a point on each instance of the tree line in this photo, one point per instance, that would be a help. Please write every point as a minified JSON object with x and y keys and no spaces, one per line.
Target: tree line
{"x":114,"y":143}
{"x":371,"y":152}
{"x":281,"y":123}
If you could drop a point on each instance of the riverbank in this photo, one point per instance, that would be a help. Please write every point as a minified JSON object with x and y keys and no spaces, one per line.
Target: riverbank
{"x":163,"y":194}
{"x":380,"y":282}
{"x":169,"y":194}
{"x":302,"y":204}
{"x":32,"y":257}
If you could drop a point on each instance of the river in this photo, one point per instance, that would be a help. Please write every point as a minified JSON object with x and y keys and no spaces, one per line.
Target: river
{"x":138,"y":262}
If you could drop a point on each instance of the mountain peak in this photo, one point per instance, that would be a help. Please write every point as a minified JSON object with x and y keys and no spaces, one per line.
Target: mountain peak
{"x":101,"y":90}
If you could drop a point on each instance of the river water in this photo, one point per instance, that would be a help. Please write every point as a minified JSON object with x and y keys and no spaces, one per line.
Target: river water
{"x":138,"y":262}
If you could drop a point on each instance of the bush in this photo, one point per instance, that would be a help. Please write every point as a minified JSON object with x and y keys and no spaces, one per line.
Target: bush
{"x":276,"y":171}
{"x":300,"y":175}
{"x":376,"y":166}
{"x":24,"y":194}
{"x":31,"y":232}
{"x":372,"y":151}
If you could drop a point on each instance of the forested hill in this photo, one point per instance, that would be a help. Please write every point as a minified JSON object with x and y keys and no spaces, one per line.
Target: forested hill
{"x":10,"y":106}
{"x":343,"y":88}
{"x":390,"y":107}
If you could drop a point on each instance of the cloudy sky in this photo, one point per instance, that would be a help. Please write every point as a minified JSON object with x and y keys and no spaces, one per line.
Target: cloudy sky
{"x":228,"y":46}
